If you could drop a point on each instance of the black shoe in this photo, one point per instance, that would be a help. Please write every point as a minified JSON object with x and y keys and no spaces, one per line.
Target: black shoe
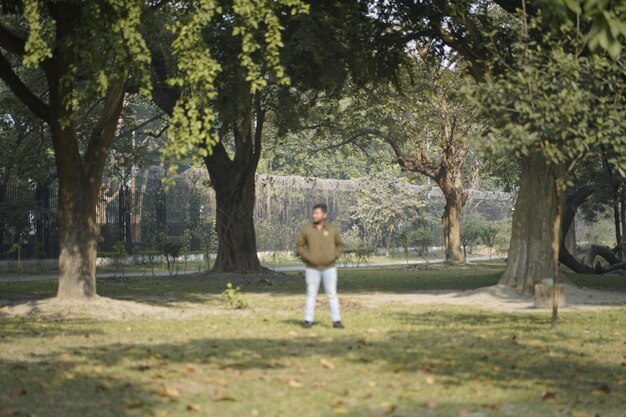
{"x":307,"y":324}
{"x":338,"y":325}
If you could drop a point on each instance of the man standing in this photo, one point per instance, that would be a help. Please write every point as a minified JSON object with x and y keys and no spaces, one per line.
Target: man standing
{"x":320,"y":245}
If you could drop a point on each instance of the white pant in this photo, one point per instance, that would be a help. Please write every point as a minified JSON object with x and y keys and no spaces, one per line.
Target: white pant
{"x":329,"y":278}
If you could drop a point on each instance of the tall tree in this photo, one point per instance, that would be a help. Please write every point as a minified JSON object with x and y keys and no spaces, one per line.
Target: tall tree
{"x":484,"y":33}
{"x":214,"y":89}
{"x":426,"y":120}
{"x":559,"y":107}
{"x":320,"y":48}
{"x":90,"y":53}
{"x":83,"y":50}
{"x":434,"y":139}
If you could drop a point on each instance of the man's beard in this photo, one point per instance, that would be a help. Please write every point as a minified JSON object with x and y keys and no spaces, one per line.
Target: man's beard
{"x":317,"y":222}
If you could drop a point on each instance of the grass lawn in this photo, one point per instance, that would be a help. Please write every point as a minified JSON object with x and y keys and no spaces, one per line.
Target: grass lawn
{"x":391,"y":360}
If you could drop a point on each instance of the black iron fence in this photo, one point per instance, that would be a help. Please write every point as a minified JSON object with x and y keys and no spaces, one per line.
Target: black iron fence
{"x":141,"y":214}
{"x":136,"y":217}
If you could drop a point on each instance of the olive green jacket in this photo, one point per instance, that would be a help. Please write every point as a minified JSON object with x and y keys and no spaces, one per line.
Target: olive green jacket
{"x":321,"y":248}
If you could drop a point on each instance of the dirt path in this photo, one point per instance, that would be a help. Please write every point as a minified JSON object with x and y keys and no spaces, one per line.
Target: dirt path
{"x":497,"y":297}
{"x":501,"y":298}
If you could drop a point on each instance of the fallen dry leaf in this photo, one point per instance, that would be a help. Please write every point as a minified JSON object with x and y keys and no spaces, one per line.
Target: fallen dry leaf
{"x":430,"y":380}
{"x":295,"y":383}
{"x":222,"y":382}
{"x":17,"y":393}
{"x":225,"y":398}
{"x":579,"y":413}
{"x":169,"y":392}
{"x":430,"y":404}
{"x":134,"y":404}
{"x":193,"y":407}
{"x":604,"y":388}
{"x":327,"y":364}
{"x":101,"y":387}
{"x":549,"y":395}
{"x":340,"y":410}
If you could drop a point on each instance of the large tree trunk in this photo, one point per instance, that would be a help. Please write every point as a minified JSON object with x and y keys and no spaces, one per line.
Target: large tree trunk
{"x":617,"y":196}
{"x":79,"y":188}
{"x":235,"y":199}
{"x":568,"y":228}
{"x":451,"y":219}
{"x":78,"y":237}
{"x":616,"y":217}
{"x":234,"y":184}
{"x":569,"y":240}
{"x":530,"y":250}
{"x":79,"y":167}
{"x":623,"y":220}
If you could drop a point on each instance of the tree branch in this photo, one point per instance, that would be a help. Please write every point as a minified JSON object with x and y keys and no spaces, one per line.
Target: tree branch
{"x":572,"y":202}
{"x":139,"y":126}
{"x":514,"y":6}
{"x":350,"y":139}
{"x":11,"y":42}
{"x":159,"y":133}
{"x":21,"y":91}
{"x":420,"y":164}
{"x":258,"y":128}
{"x":103,"y":131}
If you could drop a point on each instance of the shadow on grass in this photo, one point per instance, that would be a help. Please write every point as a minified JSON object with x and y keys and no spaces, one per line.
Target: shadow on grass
{"x":460,"y":349}
{"x":199,"y":288}
{"x":293,"y":322}
{"x":56,"y":386}
{"x":17,"y":327}
{"x":607,"y":282}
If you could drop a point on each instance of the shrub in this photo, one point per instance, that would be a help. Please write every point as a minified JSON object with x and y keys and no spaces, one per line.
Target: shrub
{"x":171,"y":250}
{"x":119,"y":257}
{"x":421,"y":239}
{"x":357,"y":256}
{"x":234,"y":298}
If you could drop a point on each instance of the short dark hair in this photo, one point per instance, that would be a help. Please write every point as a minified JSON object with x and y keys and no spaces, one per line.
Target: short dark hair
{"x":322,"y":207}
